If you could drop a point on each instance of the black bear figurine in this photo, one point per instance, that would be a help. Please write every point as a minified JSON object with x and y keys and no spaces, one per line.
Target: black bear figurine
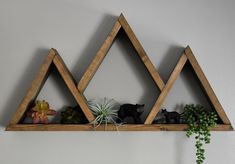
{"x":169,"y":116}
{"x":131,"y":110}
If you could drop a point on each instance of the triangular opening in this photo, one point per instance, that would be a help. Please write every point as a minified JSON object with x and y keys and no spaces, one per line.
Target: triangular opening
{"x":188,"y":58}
{"x":121,"y":23}
{"x":123,"y":76}
{"x":57,"y":94}
{"x":187,"y":89}
{"x":53,"y":63}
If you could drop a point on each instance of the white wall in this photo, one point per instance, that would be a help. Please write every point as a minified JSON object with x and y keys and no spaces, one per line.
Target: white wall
{"x":77,"y":29}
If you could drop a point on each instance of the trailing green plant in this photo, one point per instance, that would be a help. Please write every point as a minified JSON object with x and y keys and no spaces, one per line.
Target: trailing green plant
{"x":105,"y":111}
{"x":199,"y":121}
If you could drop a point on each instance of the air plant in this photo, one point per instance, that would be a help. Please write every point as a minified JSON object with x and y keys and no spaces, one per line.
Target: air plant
{"x":105,"y":111}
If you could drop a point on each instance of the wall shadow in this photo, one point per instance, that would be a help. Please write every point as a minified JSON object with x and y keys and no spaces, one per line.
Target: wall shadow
{"x":21,"y":87}
{"x":93,"y":45}
{"x":169,"y":61}
{"x":193,"y":84}
{"x":61,"y":87}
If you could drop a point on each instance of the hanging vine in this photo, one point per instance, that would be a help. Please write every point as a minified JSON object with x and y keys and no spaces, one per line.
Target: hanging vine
{"x":199,"y":121}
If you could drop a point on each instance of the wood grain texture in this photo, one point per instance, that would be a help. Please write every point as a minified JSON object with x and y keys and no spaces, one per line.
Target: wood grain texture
{"x":206,"y":85}
{"x":68,"y":79}
{"x":34,"y":89}
{"x":77,"y":91}
{"x":99,"y":57}
{"x":141,"y":52}
{"x":177,"y":70}
{"x":110,"y":127}
{"x":120,"y":23}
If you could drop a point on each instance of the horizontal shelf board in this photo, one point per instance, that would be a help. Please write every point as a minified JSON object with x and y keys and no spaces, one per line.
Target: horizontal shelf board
{"x":109,"y":127}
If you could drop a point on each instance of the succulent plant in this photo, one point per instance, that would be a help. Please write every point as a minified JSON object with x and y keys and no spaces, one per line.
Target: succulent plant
{"x":73,"y":115}
{"x":199,"y":121}
{"x":40,"y":112}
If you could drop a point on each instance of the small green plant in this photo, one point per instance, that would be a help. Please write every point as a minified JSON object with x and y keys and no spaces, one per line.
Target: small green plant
{"x":105,"y":111}
{"x":40,"y":112}
{"x":199,"y":121}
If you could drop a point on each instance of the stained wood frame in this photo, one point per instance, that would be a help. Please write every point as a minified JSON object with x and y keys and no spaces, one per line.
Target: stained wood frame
{"x":53,"y":58}
{"x":77,"y":91}
{"x":188,"y":56}
{"x":99,"y":57}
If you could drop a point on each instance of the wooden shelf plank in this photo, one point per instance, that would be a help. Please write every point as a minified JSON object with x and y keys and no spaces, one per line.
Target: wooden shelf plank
{"x":110,"y":127}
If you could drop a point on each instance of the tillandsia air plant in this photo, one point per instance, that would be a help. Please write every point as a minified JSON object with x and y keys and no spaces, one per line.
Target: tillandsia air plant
{"x":105,"y":111}
{"x":40,"y":112}
{"x":199,"y":121}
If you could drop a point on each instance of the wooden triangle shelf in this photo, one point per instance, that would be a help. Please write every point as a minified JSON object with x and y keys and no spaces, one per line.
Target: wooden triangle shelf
{"x":54,"y":58}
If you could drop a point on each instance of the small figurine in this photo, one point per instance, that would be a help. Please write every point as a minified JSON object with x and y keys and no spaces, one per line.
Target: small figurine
{"x":131,"y":110}
{"x":171,"y":116}
{"x":73,"y":115}
{"x":40,"y":112}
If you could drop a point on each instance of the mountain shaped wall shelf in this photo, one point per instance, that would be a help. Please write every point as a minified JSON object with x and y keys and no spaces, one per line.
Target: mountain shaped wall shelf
{"x":54,"y":58}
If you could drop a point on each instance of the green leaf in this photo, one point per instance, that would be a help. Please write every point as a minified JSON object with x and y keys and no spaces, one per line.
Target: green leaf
{"x":199,"y":121}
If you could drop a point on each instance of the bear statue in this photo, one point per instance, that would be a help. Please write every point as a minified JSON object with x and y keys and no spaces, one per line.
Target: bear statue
{"x":171,"y":117}
{"x":131,"y":110}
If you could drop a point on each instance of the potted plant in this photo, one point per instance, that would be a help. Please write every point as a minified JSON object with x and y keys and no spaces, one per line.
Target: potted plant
{"x":200,"y":121}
